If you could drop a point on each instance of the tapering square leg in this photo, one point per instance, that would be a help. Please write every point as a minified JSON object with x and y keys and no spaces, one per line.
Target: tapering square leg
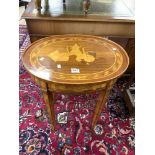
{"x":49,"y":101}
{"x":102,"y":99}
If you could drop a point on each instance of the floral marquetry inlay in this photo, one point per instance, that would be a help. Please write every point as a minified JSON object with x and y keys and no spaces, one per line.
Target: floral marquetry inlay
{"x":94,"y":59}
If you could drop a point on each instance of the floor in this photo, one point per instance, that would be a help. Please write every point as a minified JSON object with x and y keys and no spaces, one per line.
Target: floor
{"x":21,"y":11}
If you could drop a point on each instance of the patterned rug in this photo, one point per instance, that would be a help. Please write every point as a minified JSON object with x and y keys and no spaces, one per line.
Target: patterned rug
{"x":113,"y":134}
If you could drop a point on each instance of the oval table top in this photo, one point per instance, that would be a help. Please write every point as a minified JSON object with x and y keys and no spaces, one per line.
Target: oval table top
{"x":75,"y":59}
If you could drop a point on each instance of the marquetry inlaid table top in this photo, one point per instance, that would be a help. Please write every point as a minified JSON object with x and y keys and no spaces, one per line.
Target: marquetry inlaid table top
{"x":75,"y":59}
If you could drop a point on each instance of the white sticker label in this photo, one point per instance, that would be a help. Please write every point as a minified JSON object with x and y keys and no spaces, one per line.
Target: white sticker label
{"x":58,"y":66}
{"x":75,"y":70}
{"x":114,"y":49}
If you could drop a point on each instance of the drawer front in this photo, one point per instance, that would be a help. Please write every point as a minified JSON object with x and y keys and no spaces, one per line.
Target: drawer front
{"x":76,"y":88}
{"x":70,"y":88}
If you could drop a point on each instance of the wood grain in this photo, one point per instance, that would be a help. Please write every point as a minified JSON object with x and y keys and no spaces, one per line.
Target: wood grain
{"x":97,"y":59}
{"x":114,"y":9}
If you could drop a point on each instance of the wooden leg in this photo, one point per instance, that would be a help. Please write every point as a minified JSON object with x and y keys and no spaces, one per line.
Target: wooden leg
{"x":49,"y":99}
{"x":103,"y":95}
{"x":131,"y":80}
{"x":130,"y":48}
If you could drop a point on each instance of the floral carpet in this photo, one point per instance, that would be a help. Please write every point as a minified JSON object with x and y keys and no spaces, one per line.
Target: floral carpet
{"x":113,"y":134}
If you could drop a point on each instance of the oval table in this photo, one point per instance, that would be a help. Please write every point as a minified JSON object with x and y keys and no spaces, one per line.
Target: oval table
{"x":75,"y":64}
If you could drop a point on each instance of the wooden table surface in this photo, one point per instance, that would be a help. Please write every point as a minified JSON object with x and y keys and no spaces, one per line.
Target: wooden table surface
{"x":99,"y":10}
{"x":53,"y":58}
{"x":75,"y":64}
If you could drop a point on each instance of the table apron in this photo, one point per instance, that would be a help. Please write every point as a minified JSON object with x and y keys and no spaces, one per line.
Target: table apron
{"x":72,"y":88}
